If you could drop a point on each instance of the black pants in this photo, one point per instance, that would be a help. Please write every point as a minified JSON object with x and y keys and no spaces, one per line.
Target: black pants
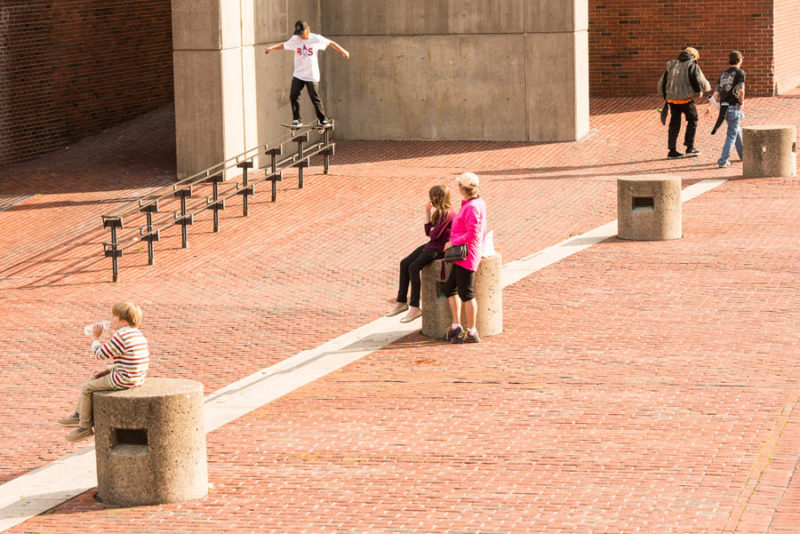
{"x":409,"y":273}
{"x":675,"y":112}
{"x":461,"y":281}
{"x":313,"y":94}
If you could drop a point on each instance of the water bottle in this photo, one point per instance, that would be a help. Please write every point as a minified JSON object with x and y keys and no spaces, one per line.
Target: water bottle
{"x":89,"y":328}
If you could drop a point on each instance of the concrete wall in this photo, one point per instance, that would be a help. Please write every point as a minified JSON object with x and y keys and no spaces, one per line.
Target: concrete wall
{"x":458,"y":69}
{"x":420,"y":69}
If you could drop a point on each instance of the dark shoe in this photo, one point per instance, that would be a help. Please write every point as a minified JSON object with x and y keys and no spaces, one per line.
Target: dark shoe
{"x":297,"y":123}
{"x":79,"y":434}
{"x":326,"y":123}
{"x":692,"y":151}
{"x":674,"y":154}
{"x":70,"y":420}
{"x":453,"y":333}
{"x":467,"y":337}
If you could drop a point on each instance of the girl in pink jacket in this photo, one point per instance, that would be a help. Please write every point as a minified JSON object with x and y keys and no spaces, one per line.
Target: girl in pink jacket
{"x":469,"y":227}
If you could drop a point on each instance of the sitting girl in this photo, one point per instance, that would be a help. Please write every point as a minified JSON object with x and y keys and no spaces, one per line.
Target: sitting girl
{"x":438,"y":219}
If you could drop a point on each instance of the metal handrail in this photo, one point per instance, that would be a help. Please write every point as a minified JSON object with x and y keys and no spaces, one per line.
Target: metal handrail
{"x":183,"y":189}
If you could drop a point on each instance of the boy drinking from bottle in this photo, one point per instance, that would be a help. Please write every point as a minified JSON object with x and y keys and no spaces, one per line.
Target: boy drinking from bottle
{"x":128,"y":351}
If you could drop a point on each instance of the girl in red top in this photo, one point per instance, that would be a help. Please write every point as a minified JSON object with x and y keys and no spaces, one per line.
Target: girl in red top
{"x":438,"y":219}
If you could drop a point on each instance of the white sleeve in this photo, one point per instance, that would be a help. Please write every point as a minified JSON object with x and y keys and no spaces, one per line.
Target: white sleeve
{"x":290,"y":44}
{"x":322,"y":42}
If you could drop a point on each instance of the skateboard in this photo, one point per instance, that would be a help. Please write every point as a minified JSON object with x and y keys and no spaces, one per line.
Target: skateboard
{"x":316,"y":126}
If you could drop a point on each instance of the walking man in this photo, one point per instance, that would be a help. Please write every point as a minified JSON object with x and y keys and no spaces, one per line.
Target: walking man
{"x":306,"y":47}
{"x":681,"y":82}
{"x":730,"y":95}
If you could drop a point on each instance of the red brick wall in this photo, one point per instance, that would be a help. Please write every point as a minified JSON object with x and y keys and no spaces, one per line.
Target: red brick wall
{"x":70,"y":68}
{"x":630,"y":41}
{"x":787,"y":45}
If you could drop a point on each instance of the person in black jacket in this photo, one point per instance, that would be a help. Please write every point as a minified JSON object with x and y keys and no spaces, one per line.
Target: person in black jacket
{"x":681,"y":82}
{"x":730,"y":95}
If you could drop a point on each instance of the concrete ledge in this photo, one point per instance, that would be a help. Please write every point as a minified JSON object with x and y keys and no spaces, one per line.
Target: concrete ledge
{"x":150,"y":443}
{"x":436,"y":317}
{"x":769,"y":151}
{"x":649,"y":208}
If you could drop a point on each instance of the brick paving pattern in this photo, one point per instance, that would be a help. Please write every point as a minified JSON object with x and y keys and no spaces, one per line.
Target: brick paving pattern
{"x":647,"y":387}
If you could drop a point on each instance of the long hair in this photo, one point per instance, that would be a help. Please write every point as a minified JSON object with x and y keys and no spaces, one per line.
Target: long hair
{"x":440,"y":200}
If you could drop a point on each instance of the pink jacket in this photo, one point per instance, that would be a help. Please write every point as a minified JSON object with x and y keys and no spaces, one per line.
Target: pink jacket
{"x":469,"y":226}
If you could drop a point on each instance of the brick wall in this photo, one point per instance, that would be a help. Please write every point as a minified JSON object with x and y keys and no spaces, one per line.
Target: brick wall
{"x":630,"y":41}
{"x":787,"y":45}
{"x":70,"y":68}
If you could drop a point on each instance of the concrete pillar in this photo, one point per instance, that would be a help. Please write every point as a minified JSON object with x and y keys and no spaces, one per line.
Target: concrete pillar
{"x":769,"y":151}
{"x":436,"y":317}
{"x":150,"y":443}
{"x":229,"y":96}
{"x":649,"y":208}
{"x":435,"y":310}
{"x":557,"y":48}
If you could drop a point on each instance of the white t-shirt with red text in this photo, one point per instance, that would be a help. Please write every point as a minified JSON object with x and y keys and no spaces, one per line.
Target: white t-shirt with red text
{"x":306,"y":66}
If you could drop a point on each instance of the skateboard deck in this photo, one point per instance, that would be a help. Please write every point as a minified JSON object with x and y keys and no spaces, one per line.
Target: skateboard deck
{"x":316,"y":125}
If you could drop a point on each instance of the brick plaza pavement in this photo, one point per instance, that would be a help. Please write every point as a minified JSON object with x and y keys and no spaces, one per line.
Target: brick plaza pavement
{"x":645,"y":387}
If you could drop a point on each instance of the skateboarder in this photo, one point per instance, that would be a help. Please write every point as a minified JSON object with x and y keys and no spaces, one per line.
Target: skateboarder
{"x":306,"y":47}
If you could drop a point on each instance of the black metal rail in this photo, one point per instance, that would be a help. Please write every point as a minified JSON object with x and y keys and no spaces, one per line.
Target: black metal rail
{"x":149,"y":229}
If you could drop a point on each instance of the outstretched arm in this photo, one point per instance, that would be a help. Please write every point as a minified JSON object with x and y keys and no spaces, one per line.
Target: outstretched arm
{"x":339,"y":49}
{"x":269,"y":49}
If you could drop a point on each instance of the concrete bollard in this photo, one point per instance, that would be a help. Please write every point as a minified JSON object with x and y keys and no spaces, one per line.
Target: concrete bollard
{"x":436,"y":318}
{"x":769,"y":151}
{"x":150,"y":443}
{"x":649,"y":208}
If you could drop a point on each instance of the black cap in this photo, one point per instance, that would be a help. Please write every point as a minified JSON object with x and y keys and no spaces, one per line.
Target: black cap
{"x":300,"y":26}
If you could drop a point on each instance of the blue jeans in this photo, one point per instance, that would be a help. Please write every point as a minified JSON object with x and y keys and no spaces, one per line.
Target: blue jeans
{"x":734,"y":135}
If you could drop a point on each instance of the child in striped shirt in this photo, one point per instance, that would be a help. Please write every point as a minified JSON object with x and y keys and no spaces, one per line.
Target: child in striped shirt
{"x":128,"y":350}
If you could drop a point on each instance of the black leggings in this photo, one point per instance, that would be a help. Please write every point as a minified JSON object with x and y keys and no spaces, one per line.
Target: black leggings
{"x":409,"y":273}
{"x":461,"y":281}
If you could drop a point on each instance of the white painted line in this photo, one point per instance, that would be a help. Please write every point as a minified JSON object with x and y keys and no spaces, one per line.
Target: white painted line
{"x":36,"y":492}
{"x":701,"y":187}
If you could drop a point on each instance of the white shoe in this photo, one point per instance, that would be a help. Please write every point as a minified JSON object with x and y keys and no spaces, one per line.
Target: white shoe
{"x":411,"y":316}
{"x":397,"y":310}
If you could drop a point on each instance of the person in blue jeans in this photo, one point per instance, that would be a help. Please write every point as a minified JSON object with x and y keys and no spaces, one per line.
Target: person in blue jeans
{"x":730,"y":95}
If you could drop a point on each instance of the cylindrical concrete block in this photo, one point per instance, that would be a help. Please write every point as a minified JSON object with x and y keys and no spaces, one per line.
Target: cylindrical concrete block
{"x":150,"y":443}
{"x":435,"y":310}
{"x":436,"y":318}
{"x":769,"y":151}
{"x":649,"y":208}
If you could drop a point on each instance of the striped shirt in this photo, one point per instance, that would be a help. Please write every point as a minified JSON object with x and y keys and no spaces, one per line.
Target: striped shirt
{"x":128,"y":348}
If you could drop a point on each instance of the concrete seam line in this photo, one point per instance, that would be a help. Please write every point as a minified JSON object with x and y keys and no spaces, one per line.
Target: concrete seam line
{"x":48,"y":486}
